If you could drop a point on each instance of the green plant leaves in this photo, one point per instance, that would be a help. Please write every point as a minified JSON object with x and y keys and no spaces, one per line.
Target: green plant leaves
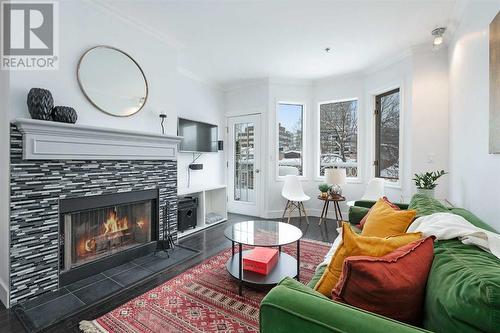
{"x":427,"y":180}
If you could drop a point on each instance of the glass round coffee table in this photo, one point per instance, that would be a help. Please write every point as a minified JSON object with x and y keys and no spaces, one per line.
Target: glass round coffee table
{"x":263,"y":234}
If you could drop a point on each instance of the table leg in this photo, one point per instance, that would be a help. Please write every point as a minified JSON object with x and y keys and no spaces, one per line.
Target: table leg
{"x":279,"y":249}
{"x":232,"y":247}
{"x":322,"y":213}
{"x":337,"y":209}
{"x":326,"y":210}
{"x":298,"y":260}
{"x":240,"y":269}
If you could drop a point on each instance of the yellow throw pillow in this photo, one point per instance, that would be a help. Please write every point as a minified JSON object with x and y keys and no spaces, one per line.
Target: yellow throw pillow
{"x":357,"y":245}
{"x":383,"y":220}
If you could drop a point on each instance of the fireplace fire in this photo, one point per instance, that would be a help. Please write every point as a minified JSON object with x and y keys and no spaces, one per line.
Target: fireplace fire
{"x":97,"y":233}
{"x":96,"y":229}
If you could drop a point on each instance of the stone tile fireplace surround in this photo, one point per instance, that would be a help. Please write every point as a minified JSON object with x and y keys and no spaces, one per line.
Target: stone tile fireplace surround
{"x":41,"y":176}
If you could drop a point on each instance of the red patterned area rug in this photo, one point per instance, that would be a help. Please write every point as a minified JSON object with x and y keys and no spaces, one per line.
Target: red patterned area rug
{"x":202,"y":299}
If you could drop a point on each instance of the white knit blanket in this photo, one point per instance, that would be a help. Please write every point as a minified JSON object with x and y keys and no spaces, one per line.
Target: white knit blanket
{"x":448,"y":226}
{"x":443,"y":226}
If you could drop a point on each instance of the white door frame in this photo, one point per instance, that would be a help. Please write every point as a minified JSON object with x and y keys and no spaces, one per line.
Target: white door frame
{"x":240,"y":207}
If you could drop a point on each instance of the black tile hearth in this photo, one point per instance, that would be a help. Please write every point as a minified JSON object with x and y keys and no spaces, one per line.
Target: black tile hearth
{"x":85,"y":282}
{"x":47,"y":313}
{"x":131,"y":276}
{"x":161,"y":262}
{"x":40,"y":313}
{"x":96,"y":291}
{"x":45,"y":298}
{"x":118,"y":269}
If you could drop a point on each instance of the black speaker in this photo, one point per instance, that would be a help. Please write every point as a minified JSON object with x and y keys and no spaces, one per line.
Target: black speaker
{"x":220,"y":145}
{"x":186,"y":213}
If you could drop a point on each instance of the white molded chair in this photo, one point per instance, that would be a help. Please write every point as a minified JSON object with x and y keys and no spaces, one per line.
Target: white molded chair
{"x":294,"y":194}
{"x":374,"y":191}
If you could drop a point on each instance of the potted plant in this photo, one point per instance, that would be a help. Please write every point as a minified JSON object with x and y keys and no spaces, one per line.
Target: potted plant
{"x":324,"y":190}
{"x":426,"y":182}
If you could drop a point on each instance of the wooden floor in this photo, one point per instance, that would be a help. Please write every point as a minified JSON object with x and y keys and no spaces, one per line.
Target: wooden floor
{"x":210,"y":242}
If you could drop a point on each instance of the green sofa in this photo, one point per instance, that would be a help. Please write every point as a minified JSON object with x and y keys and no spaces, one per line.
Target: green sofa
{"x":462,"y":294}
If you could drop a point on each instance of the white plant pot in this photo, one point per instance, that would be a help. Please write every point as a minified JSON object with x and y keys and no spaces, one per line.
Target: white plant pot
{"x":427,"y":192}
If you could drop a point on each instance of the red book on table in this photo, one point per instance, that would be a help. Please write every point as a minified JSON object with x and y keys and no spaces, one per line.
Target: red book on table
{"x":260,"y":260}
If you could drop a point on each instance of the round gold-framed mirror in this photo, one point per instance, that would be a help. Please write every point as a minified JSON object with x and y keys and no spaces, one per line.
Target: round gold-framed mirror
{"x":112,"y":81}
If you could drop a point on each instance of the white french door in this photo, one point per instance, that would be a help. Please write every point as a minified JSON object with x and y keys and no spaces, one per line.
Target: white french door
{"x":244,"y":171}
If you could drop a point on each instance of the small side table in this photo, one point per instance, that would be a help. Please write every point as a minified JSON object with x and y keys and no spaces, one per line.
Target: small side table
{"x":335,"y":199}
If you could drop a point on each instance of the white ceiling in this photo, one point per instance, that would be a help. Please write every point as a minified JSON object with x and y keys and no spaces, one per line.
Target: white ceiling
{"x":228,"y":41}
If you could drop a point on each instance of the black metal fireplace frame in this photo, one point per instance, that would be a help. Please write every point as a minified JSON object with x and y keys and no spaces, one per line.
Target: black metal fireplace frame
{"x":68,"y":205}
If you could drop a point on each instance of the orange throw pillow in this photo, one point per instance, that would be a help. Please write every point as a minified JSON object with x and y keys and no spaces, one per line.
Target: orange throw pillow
{"x":384,"y":221}
{"x":363,"y":220}
{"x":356,"y":245}
{"x":392,"y":285}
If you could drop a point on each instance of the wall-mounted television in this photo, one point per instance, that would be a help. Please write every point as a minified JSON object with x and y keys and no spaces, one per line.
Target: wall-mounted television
{"x":198,"y":137}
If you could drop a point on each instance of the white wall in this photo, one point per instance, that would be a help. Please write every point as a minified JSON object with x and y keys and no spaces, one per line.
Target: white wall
{"x":4,"y":187}
{"x":429,"y":123}
{"x":202,"y":102}
{"x":82,"y":26}
{"x":475,"y":176}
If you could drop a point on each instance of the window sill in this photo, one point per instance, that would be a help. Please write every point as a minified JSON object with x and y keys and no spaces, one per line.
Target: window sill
{"x":396,"y":186}
{"x":348,"y":181}
{"x":301,"y":178}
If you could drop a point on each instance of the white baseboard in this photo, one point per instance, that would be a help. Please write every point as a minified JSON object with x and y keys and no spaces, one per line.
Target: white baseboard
{"x":274,"y":214}
{"x":4,"y":294}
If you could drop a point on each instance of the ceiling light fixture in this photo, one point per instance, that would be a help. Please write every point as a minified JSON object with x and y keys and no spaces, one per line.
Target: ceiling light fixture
{"x":438,"y":36}
{"x":327,"y":49}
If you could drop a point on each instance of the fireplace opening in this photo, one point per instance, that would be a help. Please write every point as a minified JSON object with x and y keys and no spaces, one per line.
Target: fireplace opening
{"x":99,"y":232}
{"x":96,"y":233}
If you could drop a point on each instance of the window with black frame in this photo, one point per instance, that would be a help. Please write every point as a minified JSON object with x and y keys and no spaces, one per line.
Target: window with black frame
{"x":387,"y":133}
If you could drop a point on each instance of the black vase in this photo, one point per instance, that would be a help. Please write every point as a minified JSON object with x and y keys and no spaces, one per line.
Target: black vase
{"x":64,"y":114}
{"x":40,"y":103}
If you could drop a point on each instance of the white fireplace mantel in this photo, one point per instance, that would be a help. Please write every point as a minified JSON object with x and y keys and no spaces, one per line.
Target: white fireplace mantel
{"x":47,"y":140}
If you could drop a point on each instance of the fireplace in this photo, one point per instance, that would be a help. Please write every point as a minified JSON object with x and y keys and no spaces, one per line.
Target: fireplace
{"x":99,"y":232}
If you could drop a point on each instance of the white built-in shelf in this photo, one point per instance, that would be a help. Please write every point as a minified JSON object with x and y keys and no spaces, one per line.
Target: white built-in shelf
{"x":198,"y":189}
{"x":211,"y":199}
{"x":49,"y":140}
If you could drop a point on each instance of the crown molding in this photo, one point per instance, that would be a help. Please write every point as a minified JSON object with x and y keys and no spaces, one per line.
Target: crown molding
{"x":198,"y":78}
{"x":389,"y":61}
{"x":159,"y":35}
{"x":246,"y":84}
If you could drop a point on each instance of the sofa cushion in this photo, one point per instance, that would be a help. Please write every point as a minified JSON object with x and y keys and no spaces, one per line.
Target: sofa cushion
{"x":463,"y":289}
{"x":372,"y":208}
{"x":392,"y":285}
{"x":385,"y":219}
{"x":317,"y":275}
{"x":357,"y":245}
{"x":425,"y":205}
{"x":356,"y":214}
{"x":472,"y":218}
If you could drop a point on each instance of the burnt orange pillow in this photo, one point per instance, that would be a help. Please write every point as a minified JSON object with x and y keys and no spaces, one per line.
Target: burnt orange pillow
{"x":363,"y":220}
{"x":356,"y":245}
{"x":384,"y":221}
{"x":392,"y":285}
